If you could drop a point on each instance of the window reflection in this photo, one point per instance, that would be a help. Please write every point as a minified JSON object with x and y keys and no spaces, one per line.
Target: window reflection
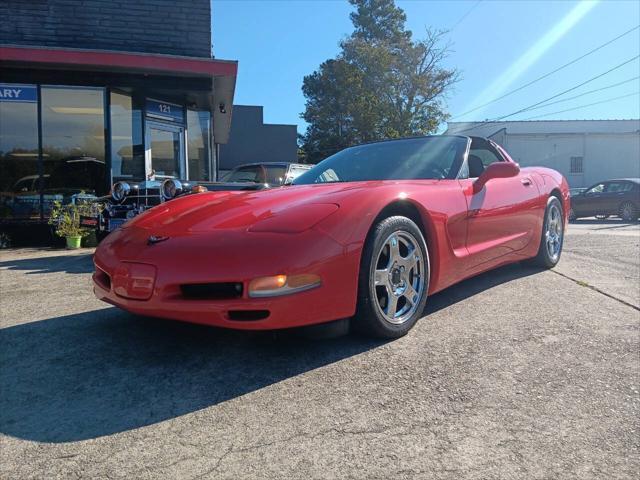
{"x":127,"y":147}
{"x":198,"y":134}
{"x":19,"y":186}
{"x":73,"y":143}
{"x":164,"y":143}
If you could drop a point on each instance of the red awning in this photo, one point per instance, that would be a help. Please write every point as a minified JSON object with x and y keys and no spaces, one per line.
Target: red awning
{"x":131,"y":62}
{"x":222,"y":72}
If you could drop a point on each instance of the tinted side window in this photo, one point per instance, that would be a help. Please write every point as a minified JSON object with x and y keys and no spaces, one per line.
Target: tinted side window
{"x":618,"y":187}
{"x":487,"y":156}
{"x":481,"y":155}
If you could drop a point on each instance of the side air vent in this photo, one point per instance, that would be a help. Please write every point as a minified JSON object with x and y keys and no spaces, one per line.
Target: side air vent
{"x":102,"y":278}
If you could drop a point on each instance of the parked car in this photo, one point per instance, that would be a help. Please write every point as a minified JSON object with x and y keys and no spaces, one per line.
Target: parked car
{"x":69,"y":179}
{"x":367,"y":233}
{"x":618,"y":197}
{"x":268,"y":173}
{"x":128,"y":199}
{"x":576,"y":190}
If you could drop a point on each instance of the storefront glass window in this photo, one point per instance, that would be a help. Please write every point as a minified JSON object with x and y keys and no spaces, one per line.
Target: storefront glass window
{"x":198,"y":134}
{"x":127,"y":147}
{"x":19,"y":186}
{"x":73,"y":143}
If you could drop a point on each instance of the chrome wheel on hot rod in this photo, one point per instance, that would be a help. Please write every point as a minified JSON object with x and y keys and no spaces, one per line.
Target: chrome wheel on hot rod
{"x":394,"y":278}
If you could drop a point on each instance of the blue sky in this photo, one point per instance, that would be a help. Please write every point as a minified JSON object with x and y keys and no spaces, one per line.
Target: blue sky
{"x":496,"y":45}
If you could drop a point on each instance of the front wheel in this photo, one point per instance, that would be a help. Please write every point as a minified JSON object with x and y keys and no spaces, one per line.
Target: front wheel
{"x":552,"y":235}
{"x":393,"y":280}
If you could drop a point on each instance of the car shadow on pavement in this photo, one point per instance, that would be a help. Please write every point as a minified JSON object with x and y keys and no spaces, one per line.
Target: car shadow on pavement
{"x":480,"y":283}
{"x":73,"y":263}
{"x":83,"y":376}
{"x":606,"y":222}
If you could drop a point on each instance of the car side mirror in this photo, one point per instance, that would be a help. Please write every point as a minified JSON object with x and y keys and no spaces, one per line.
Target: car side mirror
{"x":496,"y":170}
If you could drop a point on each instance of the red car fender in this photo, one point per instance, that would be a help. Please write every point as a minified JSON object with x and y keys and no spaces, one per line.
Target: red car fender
{"x":441,"y":218}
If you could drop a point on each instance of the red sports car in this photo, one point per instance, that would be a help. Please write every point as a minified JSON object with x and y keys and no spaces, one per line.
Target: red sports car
{"x":366,"y":234}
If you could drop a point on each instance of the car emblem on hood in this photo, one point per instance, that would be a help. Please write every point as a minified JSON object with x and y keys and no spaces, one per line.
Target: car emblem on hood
{"x":153,"y":239}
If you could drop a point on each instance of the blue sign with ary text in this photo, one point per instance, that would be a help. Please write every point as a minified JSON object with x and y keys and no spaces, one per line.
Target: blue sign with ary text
{"x":165,"y":110}
{"x":18,"y":93}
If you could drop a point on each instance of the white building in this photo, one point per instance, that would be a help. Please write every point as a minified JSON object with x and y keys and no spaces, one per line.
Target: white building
{"x":584,"y":151}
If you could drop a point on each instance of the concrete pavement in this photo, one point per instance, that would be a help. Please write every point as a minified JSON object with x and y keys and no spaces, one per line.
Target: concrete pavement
{"x":517,"y":373}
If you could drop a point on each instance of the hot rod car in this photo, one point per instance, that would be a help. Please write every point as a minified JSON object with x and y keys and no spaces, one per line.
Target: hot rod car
{"x":128,"y":199}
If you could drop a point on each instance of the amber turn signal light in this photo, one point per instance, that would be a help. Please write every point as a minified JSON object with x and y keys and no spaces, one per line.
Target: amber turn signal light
{"x":282,"y":284}
{"x":199,"y":189}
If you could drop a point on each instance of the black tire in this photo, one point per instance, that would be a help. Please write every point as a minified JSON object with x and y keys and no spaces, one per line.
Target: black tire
{"x":544,"y":259}
{"x":628,"y":212}
{"x":369,"y":319}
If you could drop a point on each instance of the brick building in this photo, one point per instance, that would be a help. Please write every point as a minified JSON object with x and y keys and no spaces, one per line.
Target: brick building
{"x":97,"y":91}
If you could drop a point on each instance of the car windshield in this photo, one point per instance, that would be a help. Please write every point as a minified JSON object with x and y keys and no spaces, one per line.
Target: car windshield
{"x":253,"y":173}
{"x":435,"y":157}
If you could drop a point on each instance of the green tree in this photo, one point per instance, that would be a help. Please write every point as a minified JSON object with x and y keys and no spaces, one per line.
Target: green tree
{"x":383,"y":84}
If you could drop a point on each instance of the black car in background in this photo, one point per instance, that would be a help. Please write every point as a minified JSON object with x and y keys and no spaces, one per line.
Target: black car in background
{"x":618,"y":197}
{"x":272,"y":174}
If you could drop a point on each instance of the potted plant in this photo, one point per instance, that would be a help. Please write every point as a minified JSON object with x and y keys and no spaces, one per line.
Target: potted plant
{"x":66,"y":221}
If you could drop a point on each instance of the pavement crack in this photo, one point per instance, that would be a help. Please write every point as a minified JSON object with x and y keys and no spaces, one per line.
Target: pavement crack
{"x":216,"y":466}
{"x":596,"y":289}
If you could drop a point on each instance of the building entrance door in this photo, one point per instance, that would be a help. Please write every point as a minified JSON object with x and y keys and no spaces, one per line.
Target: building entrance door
{"x":164,"y":151}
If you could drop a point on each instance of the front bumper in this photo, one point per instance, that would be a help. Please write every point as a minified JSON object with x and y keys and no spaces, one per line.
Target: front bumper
{"x":227,"y":257}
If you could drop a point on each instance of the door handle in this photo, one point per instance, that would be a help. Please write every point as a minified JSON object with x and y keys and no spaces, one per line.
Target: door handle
{"x":526,"y":182}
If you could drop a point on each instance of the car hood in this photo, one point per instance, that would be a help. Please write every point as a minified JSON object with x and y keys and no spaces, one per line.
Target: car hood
{"x":241,"y":209}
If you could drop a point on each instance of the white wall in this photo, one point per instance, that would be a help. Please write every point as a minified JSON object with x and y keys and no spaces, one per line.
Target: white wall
{"x":605,"y":155}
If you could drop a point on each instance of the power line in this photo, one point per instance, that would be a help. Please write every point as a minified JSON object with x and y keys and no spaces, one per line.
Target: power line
{"x":572,"y":88}
{"x":549,"y":73}
{"x":530,"y":107}
{"x":464,"y":16}
{"x":587,"y":93}
{"x":583,"y":106}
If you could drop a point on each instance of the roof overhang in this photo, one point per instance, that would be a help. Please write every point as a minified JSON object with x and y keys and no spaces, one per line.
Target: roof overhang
{"x":221,"y":73}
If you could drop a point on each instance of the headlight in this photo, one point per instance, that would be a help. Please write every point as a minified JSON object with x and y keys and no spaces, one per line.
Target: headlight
{"x":282,"y":285}
{"x":120,"y":190}
{"x":171,"y":188}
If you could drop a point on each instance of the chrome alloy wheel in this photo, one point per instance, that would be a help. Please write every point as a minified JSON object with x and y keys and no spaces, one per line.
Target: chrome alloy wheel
{"x":399,"y":277}
{"x":554,"y":232}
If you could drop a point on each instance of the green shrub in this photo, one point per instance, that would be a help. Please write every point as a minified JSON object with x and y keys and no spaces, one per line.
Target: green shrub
{"x":66,"y":218}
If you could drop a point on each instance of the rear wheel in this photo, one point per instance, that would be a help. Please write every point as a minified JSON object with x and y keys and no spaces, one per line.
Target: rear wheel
{"x":552,"y":235}
{"x":394,"y":279}
{"x":628,"y":212}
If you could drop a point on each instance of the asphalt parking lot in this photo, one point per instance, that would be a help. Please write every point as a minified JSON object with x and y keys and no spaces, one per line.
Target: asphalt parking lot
{"x":517,"y":373}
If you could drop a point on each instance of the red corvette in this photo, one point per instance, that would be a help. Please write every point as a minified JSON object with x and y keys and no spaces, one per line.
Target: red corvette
{"x":366,"y":234}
